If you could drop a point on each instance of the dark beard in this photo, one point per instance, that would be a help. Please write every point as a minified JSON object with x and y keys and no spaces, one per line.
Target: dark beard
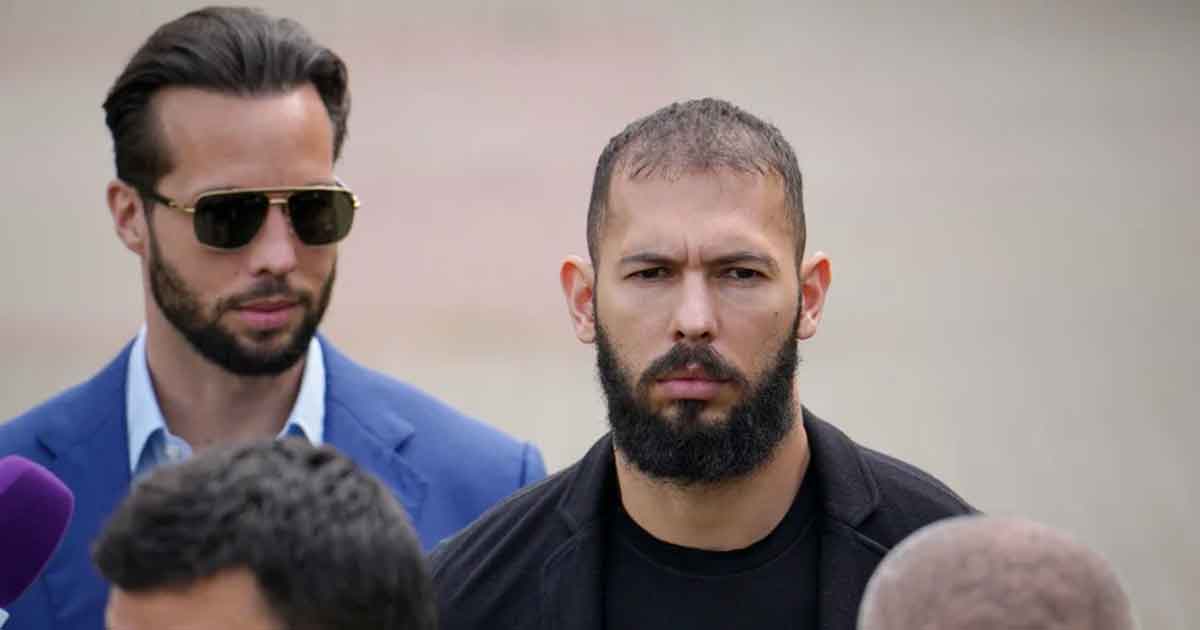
{"x":181,"y":306}
{"x":687,"y":450}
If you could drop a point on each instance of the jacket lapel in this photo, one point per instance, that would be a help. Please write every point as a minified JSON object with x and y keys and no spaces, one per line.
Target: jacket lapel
{"x":573,"y":576}
{"x":573,"y":583}
{"x":368,"y":432}
{"x":91,"y":456}
{"x":847,"y":562}
{"x":849,"y":495}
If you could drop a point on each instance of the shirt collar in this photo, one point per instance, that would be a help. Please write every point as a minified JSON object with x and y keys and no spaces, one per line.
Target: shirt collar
{"x":144,"y":416}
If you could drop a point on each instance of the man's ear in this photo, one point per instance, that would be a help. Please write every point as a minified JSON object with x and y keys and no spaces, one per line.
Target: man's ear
{"x":815,"y":276}
{"x":578,"y":279}
{"x":129,"y":220}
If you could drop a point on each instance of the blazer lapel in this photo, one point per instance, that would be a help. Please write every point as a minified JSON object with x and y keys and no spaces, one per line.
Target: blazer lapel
{"x":91,"y":455}
{"x":376,"y":451}
{"x":369,"y":433}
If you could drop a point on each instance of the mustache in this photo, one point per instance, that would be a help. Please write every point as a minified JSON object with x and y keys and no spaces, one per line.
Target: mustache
{"x":680,"y":356}
{"x":274,"y":287}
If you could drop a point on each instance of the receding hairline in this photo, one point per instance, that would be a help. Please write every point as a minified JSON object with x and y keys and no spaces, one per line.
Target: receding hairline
{"x":700,"y":134}
{"x":623,"y":173}
{"x":158,"y":127}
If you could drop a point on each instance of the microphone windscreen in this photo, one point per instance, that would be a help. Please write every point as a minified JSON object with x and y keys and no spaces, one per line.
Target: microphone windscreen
{"x":35,"y":507}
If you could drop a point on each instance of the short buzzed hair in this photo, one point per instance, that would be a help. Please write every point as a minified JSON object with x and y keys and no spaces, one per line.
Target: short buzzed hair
{"x":994,"y":573}
{"x":696,"y":136}
{"x":328,"y":544}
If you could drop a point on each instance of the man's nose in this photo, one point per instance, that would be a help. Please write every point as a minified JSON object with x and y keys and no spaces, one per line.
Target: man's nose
{"x":273,"y":250}
{"x":695,"y":317}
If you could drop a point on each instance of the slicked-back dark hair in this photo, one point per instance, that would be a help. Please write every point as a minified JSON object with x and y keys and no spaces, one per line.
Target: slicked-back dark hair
{"x":696,"y":136}
{"x":233,"y":50}
{"x":328,"y":543}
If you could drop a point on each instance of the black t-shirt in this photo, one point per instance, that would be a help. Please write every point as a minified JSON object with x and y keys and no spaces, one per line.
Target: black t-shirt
{"x":652,"y":585}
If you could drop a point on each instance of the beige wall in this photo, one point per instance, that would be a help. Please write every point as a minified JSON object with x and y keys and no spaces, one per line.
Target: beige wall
{"x":1008,"y":192}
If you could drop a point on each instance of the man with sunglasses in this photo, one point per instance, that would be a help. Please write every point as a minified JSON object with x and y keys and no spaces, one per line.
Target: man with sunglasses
{"x":226,"y":127}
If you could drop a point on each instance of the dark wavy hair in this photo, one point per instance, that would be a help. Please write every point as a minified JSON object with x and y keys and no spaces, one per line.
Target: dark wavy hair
{"x":329,"y":545}
{"x":234,"y":50}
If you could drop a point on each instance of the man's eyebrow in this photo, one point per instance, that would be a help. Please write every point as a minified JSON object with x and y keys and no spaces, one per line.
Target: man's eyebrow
{"x":648,"y":258}
{"x":740,"y":257}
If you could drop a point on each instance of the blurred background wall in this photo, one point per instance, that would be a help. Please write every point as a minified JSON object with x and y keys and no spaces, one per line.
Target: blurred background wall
{"x":1008,"y":192}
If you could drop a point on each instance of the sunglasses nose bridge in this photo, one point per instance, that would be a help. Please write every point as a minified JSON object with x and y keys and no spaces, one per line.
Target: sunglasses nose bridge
{"x":283,"y":200}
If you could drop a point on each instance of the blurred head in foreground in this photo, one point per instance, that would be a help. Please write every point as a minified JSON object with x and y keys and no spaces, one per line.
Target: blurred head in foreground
{"x":993,"y":573}
{"x":267,"y":536}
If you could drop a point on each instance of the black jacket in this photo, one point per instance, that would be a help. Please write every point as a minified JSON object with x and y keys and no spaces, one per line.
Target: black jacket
{"x":535,"y":561}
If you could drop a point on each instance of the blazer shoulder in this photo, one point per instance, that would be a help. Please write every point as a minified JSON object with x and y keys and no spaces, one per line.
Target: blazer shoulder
{"x":18,"y":436}
{"x":72,"y":411}
{"x":443,"y":441}
{"x":360,"y":388}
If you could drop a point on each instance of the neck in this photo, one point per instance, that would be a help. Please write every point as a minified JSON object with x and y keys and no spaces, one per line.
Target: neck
{"x":207,"y":405}
{"x":723,"y":516}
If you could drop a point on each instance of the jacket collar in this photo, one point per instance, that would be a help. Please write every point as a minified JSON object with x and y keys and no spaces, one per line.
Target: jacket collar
{"x":591,"y":488}
{"x":849,"y":490}
{"x":850,"y":493}
{"x":573,"y":575}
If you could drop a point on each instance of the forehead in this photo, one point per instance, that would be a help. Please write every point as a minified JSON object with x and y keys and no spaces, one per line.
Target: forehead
{"x":231,"y":600}
{"x":721,"y":208}
{"x":270,"y":139}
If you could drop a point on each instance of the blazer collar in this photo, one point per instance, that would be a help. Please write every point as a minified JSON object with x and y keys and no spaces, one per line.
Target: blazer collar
{"x":88,"y":442}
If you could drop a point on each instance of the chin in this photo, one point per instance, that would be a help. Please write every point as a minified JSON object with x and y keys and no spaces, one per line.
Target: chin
{"x":687,"y":412}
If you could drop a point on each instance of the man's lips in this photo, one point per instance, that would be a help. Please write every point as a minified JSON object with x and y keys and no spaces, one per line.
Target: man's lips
{"x":267,"y":304}
{"x":266,"y":314}
{"x":690,"y":384}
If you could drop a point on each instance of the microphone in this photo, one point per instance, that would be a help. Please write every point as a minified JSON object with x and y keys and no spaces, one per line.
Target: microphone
{"x":35,"y":507}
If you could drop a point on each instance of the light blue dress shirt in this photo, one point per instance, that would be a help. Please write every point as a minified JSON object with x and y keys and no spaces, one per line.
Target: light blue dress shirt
{"x":151,"y":444}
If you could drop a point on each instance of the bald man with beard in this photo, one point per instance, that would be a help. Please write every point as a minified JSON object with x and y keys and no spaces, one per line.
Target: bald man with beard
{"x":994,"y":573}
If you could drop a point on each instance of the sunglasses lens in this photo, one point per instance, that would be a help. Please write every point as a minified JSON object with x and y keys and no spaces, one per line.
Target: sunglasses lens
{"x":321,"y":217}
{"x":230,"y":220}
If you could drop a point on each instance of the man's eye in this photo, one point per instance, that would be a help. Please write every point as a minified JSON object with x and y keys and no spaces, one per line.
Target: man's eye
{"x":654,"y":273}
{"x":742,"y":273}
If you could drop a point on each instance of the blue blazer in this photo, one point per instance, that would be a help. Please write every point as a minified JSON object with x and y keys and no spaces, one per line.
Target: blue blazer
{"x":444,"y":468}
